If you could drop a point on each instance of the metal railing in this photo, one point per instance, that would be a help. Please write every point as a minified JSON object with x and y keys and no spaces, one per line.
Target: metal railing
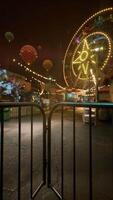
{"x":19,"y":106}
{"x":47,"y":154}
{"x":73,"y":107}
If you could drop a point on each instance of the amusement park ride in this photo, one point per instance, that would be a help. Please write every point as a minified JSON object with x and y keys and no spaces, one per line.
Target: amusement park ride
{"x":88,"y":59}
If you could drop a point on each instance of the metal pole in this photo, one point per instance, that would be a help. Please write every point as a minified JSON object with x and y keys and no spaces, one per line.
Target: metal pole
{"x":74,"y":157}
{"x":19,"y":153}
{"x":97,"y":96}
{"x":97,"y":93}
{"x":31,"y":175}
{"x":90,"y":158}
{"x":62,"y":154}
{"x":2,"y":151}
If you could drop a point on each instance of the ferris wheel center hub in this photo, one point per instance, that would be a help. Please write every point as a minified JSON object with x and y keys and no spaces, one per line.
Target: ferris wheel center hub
{"x":84,"y":56}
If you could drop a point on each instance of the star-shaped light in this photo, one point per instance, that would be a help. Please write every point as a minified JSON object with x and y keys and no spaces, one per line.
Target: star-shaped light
{"x":85,"y":58}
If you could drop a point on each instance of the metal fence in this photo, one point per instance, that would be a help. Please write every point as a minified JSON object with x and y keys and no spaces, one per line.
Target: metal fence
{"x":4,"y":107}
{"x":47,"y":147}
{"x":73,"y":107}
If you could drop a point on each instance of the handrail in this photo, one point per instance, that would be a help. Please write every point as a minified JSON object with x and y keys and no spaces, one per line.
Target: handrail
{"x":86,"y":104}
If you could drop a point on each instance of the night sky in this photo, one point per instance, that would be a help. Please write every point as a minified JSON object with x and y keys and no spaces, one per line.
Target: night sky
{"x":50,"y":24}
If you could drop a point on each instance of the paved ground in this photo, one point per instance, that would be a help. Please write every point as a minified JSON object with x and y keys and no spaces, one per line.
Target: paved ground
{"x":102,"y":159}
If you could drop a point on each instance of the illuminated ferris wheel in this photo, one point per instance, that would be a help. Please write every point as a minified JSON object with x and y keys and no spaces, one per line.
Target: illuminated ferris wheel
{"x":89,"y":53}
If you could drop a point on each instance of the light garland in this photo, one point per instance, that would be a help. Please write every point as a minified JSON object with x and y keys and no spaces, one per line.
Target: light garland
{"x":39,"y":75}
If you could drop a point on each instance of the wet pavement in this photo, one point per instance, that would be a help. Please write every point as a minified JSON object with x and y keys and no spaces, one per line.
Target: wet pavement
{"x":102,"y":158}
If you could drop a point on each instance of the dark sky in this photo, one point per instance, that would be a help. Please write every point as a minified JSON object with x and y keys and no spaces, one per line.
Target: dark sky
{"x":44,"y":22}
{"x":48,"y":23}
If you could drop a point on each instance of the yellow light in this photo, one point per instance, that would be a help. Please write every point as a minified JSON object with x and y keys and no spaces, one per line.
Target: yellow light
{"x":93,"y":61}
{"x":29,"y":70}
{"x":84,"y":56}
{"x":101,"y":48}
{"x":74,"y":36}
{"x":83,"y":61}
{"x":96,"y":49}
{"x":14,"y":60}
{"x":92,"y":56}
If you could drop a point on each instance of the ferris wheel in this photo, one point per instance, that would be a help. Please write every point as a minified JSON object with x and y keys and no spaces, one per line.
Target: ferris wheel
{"x":89,"y":54}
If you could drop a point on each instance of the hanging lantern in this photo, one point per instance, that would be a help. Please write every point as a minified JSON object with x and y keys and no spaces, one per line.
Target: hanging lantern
{"x":28,"y":54}
{"x":47,"y":64}
{"x":9,"y":36}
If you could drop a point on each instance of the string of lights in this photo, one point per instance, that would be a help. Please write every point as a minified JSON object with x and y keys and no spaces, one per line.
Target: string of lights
{"x":38,"y":75}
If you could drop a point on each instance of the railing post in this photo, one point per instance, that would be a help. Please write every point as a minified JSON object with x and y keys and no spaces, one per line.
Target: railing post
{"x":49,"y":152}
{"x":90,"y":157}
{"x":31,"y":167}
{"x":19,"y":153}
{"x":2,"y":152}
{"x":62,"y":154}
{"x":74,"y":156}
